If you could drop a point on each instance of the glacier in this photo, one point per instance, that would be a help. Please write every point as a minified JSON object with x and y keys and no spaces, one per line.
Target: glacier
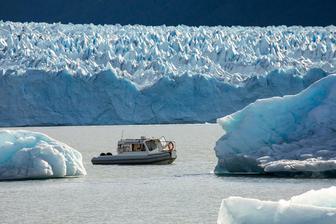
{"x":290,"y":135}
{"x":63,"y":99}
{"x":66,"y":74}
{"x":33,"y":155}
{"x":144,"y":54}
{"x":315,"y":206}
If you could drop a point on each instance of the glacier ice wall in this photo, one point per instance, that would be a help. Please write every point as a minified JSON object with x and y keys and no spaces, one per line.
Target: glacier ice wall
{"x":31,"y":155}
{"x":37,"y":98}
{"x":294,"y":134}
{"x":144,"y":54}
{"x":315,"y":206}
{"x":55,"y":74}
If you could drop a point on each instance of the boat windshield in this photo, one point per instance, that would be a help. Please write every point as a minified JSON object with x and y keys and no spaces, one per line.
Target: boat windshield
{"x":154,"y":145}
{"x":163,"y":141}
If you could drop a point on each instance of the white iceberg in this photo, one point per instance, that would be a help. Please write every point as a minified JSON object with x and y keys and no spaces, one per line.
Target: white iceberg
{"x":311,"y":207}
{"x":33,"y":155}
{"x":282,"y":135}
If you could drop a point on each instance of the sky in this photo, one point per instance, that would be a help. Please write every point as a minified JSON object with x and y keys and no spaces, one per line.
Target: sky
{"x":173,"y":12}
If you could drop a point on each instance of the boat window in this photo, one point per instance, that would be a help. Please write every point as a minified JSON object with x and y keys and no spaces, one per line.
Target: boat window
{"x":124,"y":148}
{"x":152,"y":145}
{"x":138,"y":147}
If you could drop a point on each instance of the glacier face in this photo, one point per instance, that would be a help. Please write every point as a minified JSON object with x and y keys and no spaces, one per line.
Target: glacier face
{"x":55,"y":74}
{"x":315,"y":206}
{"x":36,"y":98}
{"x":31,"y":155}
{"x":145,"y":54}
{"x":294,"y":134}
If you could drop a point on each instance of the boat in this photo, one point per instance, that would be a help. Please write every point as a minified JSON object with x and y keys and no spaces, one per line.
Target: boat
{"x":145,"y":150}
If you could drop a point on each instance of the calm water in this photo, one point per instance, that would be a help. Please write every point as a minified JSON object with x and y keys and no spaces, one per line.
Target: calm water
{"x":185,"y":192}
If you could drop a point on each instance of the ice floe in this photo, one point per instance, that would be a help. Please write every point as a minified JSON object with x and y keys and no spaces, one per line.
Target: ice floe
{"x":315,"y":206}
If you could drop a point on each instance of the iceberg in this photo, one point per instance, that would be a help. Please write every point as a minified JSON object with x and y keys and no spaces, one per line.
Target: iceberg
{"x":290,"y":135}
{"x":33,"y":155}
{"x":66,"y":74}
{"x":315,"y":206}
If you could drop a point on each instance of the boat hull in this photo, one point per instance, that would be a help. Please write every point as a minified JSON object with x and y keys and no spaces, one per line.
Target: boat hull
{"x":155,"y":158}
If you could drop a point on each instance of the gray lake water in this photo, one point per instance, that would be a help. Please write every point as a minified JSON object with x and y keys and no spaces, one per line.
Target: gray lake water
{"x":184,"y":192}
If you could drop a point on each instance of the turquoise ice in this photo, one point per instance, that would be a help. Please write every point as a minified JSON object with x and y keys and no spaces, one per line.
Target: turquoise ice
{"x":290,"y":134}
{"x":59,"y":74}
{"x":33,"y":155}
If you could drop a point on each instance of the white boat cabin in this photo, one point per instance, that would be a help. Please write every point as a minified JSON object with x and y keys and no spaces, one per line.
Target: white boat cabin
{"x":144,"y":145}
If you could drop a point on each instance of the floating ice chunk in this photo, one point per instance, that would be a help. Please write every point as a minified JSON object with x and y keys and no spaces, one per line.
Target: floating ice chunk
{"x":309,"y":208}
{"x":291,"y":134}
{"x":29,"y":155}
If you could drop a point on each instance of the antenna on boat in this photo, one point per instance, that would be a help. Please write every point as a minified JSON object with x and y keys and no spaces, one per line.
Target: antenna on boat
{"x":122,"y":134}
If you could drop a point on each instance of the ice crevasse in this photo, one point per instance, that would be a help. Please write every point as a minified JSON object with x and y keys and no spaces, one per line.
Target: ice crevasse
{"x":290,"y":135}
{"x":33,"y":155}
{"x":315,"y":206}
{"x":144,"y":54}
